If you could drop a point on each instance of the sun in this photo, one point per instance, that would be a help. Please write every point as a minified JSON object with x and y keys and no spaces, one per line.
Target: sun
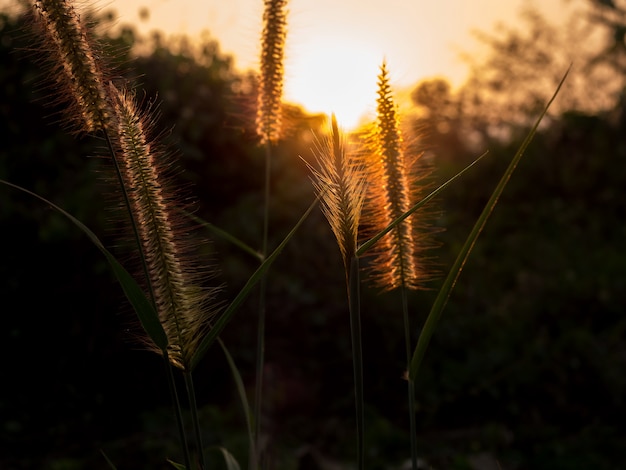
{"x":334,"y":75}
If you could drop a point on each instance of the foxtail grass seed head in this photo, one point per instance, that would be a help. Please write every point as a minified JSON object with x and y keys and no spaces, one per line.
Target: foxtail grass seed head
{"x":392,"y":192}
{"x":77,"y":69}
{"x":183,"y":306}
{"x":340,"y":183}
{"x":269,"y":119}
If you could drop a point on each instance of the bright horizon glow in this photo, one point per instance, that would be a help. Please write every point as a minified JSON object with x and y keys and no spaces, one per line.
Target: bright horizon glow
{"x":335,"y":47}
{"x":334,"y":75}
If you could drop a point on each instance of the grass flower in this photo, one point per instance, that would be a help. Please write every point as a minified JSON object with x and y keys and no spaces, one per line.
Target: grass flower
{"x":394,"y":188}
{"x":340,"y":183}
{"x":272,"y":70}
{"x":182,"y":304}
{"x":76,"y":67}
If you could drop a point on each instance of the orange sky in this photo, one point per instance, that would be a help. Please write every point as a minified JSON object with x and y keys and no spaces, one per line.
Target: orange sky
{"x":335,"y":47}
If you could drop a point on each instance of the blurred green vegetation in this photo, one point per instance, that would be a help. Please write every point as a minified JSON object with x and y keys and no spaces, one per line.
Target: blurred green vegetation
{"x":525,"y":371}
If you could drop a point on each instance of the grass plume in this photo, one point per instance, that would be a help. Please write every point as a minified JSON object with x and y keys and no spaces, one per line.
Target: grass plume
{"x":341,"y":185}
{"x":393,"y":190}
{"x":77,"y":70}
{"x":183,"y":306}
{"x":272,"y":70}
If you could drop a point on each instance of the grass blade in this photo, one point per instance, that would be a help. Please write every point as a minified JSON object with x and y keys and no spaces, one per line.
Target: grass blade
{"x":457,"y":267}
{"x":177,"y":466}
{"x":231,"y":462}
{"x":219,"y":325}
{"x":224,"y":235}
{"x":108,"y":460}
{"x":241,"y":390}
{"x":143,"y":307}
{"x":368,"y":244}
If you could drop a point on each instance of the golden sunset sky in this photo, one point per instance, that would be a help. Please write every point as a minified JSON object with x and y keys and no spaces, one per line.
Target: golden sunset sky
{"x":335,"y":47}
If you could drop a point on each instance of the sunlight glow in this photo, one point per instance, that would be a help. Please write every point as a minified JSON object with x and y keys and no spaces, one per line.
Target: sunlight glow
{"x":334,"y":75}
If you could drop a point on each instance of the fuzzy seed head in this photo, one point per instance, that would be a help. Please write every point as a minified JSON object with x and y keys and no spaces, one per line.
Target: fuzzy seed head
{"x":180,"y":303}
{"x":269,"y":120}
{"x":77,"y":68}
{"x":391,"y":195}
{"x":340,"y":182}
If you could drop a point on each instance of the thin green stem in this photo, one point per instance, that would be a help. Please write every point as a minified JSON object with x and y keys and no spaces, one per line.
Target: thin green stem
{"x":411,"y":385}
{"x":354,"y":302}
{"x":258,"y":398}
{"x":177,"y":411}
{"x":260,"y":361}
{"x":193,"y":406}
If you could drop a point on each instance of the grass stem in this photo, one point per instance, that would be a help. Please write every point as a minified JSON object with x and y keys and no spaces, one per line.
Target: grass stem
{"x":354,"y":301}
{"x":177,"y":411}
{"x":193,"y":406}
{"x":411,"y":384}
{"x":258,"y":398}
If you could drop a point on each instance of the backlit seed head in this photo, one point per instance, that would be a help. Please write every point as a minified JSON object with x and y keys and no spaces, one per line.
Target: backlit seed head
{"x":76,"y":67}
{"x":340,"y":182}
{"x":270,"y":93}
{"x":394,"y":187}
{"x":184,"y":307}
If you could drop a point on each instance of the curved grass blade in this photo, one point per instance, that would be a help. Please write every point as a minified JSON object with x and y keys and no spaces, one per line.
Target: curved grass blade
{"x":242,"y":396}
{"x":225,"y":235}
{"x":231,"y":462}
{"x":368,"y":244}
{"x":108,"y":460}
{"x":457,"y":267}
{"x":219,"y":325}
{"x":143,"y":307}
{"x":177,"y":466}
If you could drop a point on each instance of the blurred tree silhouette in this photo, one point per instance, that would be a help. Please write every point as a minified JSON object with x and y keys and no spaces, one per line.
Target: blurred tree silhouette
{"x":509,"y":85}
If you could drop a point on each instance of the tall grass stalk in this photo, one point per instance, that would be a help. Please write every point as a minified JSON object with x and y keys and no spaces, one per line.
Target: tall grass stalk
{"x":81,"y":84}
{"x":269,"y":122}
{"x":73,"y":58}
{"x":394,"y":187}
{"x":340,"y":184}
{"x":183,"y":307}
